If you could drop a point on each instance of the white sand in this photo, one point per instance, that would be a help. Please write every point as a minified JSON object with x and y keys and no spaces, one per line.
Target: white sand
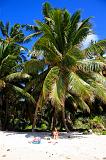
{"x":15,"y":146}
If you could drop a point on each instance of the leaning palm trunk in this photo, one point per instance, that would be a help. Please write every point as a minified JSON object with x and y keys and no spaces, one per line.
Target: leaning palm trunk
{"x":64,"y":119}
{"x":1,"y":111}
{"x":53,"y":123}
{"x":35,"y":118}
{"x":6,"y":115}
{"x":38,"y":105}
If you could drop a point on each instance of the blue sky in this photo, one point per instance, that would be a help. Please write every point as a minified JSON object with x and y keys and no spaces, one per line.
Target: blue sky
{"x":26,"y":11}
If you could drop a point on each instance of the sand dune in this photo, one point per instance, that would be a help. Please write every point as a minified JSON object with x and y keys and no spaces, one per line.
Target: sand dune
{"x":15,"y":146}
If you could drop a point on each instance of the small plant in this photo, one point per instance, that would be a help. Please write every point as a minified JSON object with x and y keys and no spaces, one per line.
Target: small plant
{"x":82,"y":123}
{"x":97,"y":122}
{"x":43,"y":126}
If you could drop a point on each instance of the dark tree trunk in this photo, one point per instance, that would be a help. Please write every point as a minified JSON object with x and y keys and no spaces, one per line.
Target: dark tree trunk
{"x":1,"y":111}
{"x":35,"y":118}
{"x":0,"y":117}
{"x":53,"y":123}
{"x":64,"y":119}
{"x":6,"y":115}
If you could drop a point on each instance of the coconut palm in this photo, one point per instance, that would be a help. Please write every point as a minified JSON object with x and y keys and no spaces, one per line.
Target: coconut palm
{"x":13,"y":34}
{"x":11,"y":78}
{"x":70,"y":67}
{"x":70,"y":71}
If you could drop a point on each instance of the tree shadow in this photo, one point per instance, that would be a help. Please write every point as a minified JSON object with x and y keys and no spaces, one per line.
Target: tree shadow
{"x":42,"y":135}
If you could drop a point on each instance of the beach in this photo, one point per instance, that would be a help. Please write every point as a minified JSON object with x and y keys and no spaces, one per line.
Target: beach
{"x":69,"y":146}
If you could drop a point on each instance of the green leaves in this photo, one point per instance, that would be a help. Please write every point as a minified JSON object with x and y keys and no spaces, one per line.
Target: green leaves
{"x":57,"y":93}
{"x":2,"y":84}
{"x":90,"y":65}
{"x":46,"y":9}
{"x":4,"y":28}
{"x":96,"y":48}
{"x":13,"y":34}
{"x":60,"y":43}
{"x":50,"y":79}
{"x":99,"y":91}
{"x":23,"y":93}
{"x":33,"y":66}
{"x":7,"y":64}
{"x":19,"y":76}
{"x":84,"y":29}
{"x":79,"y":87}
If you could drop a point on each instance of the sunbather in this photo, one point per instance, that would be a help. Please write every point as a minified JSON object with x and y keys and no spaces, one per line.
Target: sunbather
{"x":55,"y":134}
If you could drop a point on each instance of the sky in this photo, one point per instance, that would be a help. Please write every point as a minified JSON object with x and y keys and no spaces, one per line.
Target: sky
{"x":26,"y":11}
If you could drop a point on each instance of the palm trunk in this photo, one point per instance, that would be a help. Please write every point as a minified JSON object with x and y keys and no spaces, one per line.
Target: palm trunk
{"x":35,"y":118}
{"x":36,"y":112}
{"x":6,"y":115}
{"x":1,"y":111}
{"x":0,"y":117}
{"x":64,"y":119}
{"x":53,"y":123}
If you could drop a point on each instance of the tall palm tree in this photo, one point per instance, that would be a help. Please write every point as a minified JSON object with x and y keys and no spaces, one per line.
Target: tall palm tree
{"x":11,"y":77}
{"x":70,"y":67}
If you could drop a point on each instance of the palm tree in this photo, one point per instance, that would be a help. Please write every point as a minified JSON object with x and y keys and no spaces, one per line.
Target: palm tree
{"x":13,"y":34}
{"x":11,"y":78}
{"x":70,"y":68}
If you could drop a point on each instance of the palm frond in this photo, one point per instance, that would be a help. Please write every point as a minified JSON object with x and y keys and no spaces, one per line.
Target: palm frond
{"x":72,"y":27}
{"x":34,"y":66}
{"x":99,"y":90}
{"x":50,"y":79}
{"x":46,"y":29}
{"x":23,"y":93}
{"x":68,"y":61}
{"x":57,"y":93}
{"x":96,"y":48}
{"x":99,"y":78}
{"x":71,"y":57}
{"x":31,"y":28}
{"x":17,"y":77}
{"x":82,"y":105}
{"x":28,"y":38}
{"x":7,"y":26}
{"x":3,"y":51}
{"x":46,"y":9}
{"x":2,"y":84}
{"x":79,"y":87}
{"x":74,"y":20}
{"x":37,"y":82}
{"x":83,"y":31}
{"x":49,"y":50}
{"x":7,"y":64}
{"x":57,"y":29}
{"x":16,"y":33}
{"x":78,"y":102}
{"x":3,"y":29}
{"x":91,"y":65}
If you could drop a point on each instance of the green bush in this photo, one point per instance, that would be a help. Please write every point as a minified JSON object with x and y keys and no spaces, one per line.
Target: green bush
{"x":43,"y":126}
{"x":81,"y":123}
{"x":96,"y":123}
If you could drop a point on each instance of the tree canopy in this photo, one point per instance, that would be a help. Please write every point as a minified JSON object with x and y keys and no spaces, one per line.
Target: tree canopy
{"x":60,"y":71}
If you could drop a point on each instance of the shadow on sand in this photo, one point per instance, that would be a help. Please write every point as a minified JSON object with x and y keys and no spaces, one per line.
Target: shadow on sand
{"x":62,"y":135}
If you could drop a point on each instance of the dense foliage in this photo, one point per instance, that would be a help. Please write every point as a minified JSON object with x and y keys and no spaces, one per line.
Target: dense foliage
{"x":61,"y":82}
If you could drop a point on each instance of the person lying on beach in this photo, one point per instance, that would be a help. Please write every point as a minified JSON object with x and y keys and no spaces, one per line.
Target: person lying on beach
{"x":55,"y":134}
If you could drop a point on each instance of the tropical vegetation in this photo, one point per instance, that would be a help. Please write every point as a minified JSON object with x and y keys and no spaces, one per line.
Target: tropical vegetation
{"x":61,"y":82}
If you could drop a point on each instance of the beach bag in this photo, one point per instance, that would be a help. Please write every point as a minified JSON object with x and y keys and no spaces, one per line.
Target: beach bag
{"x":37,"y":140}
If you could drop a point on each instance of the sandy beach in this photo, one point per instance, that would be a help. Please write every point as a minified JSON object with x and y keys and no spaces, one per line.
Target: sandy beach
{"x":16,"y":146}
